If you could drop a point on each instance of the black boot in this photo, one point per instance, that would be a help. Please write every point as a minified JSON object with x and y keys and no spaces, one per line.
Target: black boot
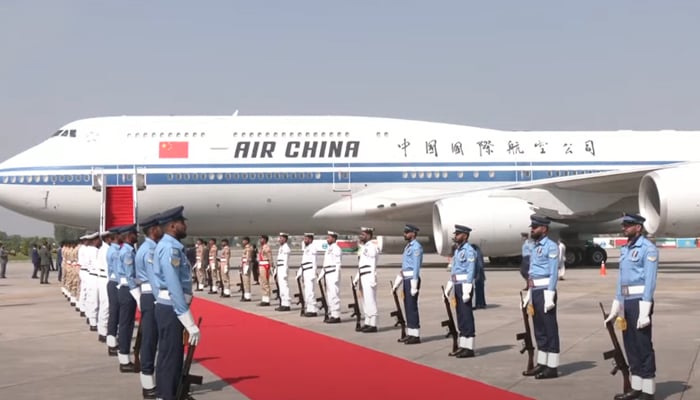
{"x":465,"y":353}
{"x":632,"y":394}
{"x":369,"y":329}
{"x":412,"y":340}
{"x":130,"y":367}
{"x":547,"y":373}
{"x":534,"y":371}
{"x":112,"y":351}
{"x":102,"y":339}
{"x":149,"y":393}
{"x":283,"y":308}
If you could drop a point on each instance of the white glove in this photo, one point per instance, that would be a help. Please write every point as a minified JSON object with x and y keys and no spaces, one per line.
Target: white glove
{"x":448,"y":289}
{"x":527,"y":298}
{"x":614,"y":311}
{"x":548,"y":300}
{"x":466,"y":292}
{"x":397,"y":281}
{"x":414,"y":287}
{"x":245,"y":269}
{"x":192,"y":329}
{"x":188,"y":299}
{"x":356,"y":279}
{"x":644,"y":309}
{"x":136,"y":294}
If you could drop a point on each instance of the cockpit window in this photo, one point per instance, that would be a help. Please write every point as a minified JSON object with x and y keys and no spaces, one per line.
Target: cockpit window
{"x":58,"y":132}
{"x":65,"y":133}
{"x":72,"y":133}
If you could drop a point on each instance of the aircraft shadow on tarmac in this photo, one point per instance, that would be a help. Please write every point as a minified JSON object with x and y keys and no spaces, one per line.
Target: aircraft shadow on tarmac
{"x":669,"y":388}
{"x":218,"y":385}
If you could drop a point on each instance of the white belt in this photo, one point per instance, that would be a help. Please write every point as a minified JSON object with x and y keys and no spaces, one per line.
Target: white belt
{"x":628,"y":290}
{"x":459,"y":277}
{"x":407,"y":274}
{"x":123,"y":281}
{"x":146,"y":287}
{"x":540,"y":282}
{"x":164,"y":294}
{"x":264,"y":263}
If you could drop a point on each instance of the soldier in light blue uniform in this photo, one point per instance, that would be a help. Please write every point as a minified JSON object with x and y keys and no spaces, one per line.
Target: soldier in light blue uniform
{"x":544,"y":262}
{"x":129,"y":296}
{"x":144,"y":277}
{"x":462,"y":278}
{"x":112,"y":291}
{"x":410,"y":277}
{"x":634,"y":301}
{"x":173,"y":279}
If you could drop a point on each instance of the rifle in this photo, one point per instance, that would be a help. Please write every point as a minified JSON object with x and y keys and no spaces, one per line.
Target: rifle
{"x":619,"y":362}
{"x":137,"y":346}
{"x":526,"y":337}
{"x":450,"y":323}
{"x":221,"y":281}
{"x":300,"y":295}
{"x":276,"y":291}
{"x":355,"y":307}
{"x":400,"y":320}
{"x":240,"y":284}
{"x":186,"y":379}
{"x":322,"y":299}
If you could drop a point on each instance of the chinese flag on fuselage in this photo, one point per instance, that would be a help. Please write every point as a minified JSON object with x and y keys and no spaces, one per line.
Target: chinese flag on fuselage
{"x":173,"y":150}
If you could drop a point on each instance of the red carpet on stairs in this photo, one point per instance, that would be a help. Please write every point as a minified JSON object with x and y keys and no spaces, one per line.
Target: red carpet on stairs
{"x":266,"y":359}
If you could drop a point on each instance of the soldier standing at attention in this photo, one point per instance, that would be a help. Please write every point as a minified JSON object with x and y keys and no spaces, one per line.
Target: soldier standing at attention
{"x":212,"y":271}
{"x":330,"y":275}
{"x":145,"y":279}
{"x":113,"y":290}
{"x":307,"y":272}
{"x":282,"y":270}
{"x":410,"y":278}
{"x":462,"y":278}
{"x":129,"y":296}
{"x":367,"y":278}
{"x":543,"y":274}
{"x":199,"y":273}
{"x":223,"y":266}
{"x":634,"y":301}
{"x":246,"y":267}
{"x":173,"y":278}
{"x":264,"y":263}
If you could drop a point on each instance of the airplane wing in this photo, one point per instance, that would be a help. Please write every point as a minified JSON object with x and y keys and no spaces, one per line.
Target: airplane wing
{"x":569,"y":199}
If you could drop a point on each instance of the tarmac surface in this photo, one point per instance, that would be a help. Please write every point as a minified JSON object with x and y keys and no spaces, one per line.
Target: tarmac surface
{"x":47,"y":351}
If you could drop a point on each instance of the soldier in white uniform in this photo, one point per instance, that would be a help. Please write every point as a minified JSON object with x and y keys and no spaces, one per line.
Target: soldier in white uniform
{"x":308,"y":272}
{"x":82,"y":275}
{"x":367,"y":278}
{"x":102,"y":279}
{"x":332,"y":261}
{"x":281,"y":271}
{"x":91,"y":281}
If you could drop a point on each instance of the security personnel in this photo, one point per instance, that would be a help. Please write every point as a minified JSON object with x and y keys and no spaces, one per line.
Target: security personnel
{"x":542,"y":283}
{"x":113,"y":290}
{"x":212,"y":271}
{"x":281,"y":271}
{"x":634,"y":301}
{"x":102,"y":280}
{"x":332,"y":261}
{"x":223,"y":267}
{"x":129,"y":296}
{"x":82,"y":275}
{"x":307,"y":272}
{"x":462,"y":278}
{"x":246,"y":267}
{"x":264,"y":264}
{"x":367,"y":278}
{"x":173,"y":278}
{"x":91,"y":296}
{"x":144,"y":278}
{"x":410,"y":277}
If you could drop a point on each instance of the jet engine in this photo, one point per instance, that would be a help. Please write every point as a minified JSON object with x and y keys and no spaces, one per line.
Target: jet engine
{"x":670,"y":202}
{"x":496,"y":222}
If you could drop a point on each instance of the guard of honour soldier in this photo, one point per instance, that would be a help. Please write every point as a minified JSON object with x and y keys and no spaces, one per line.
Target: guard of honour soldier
{"x":158,"y":280}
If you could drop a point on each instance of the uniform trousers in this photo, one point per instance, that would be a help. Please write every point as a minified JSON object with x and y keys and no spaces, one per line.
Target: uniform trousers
{"x":149,"y":333}
{"x":113,"y":298}
{"x":170,"y":351}
{"x":410,"y":304}
{"x":102,"y":306}
{"x":545,"y":324}
{"x":368,"y":283}
{"x":127,"y":312}
{"x":332,"y":281}
{"x":283,"y":285}
{"x":640,"y":349}
{"x":309,"y":292}
{"x":91,"y":304}
{"x":465,"y":314}
{"x":264,"y":275}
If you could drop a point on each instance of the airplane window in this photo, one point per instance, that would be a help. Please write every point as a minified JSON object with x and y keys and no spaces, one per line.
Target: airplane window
{"x":259,"y":134}
{"x":318,"y":175}
{"x":14,"y":179}
{"x":316,"y":134}
{"x":405,"y":175}
{"x":219,"y":176}
{"x":308,"y":134}
{"x":421,"y":175}
{"x":261,"y":176}
{"x":212,"y":177}
{"x":170,"y":134}
{"x":284,"y":134}
{"x":170,"y":177}
{"x":460,"y":174}
{"x":492,"y":174}
{"x":379,"y":134}
{"x":45,"y":178}
{"x":69,"y":178}
{"x":178,"y":177}
{"x":65,"y":133}
{"x":58,"y":132}
{"x":413,"y":175}
{"x":72,"y":133}
{"x":53,"y":178}
{"x":153,"y":134}
{"x":244,"y":176}
{"x":136,"y":135}
{"x":444,"y":175}
{"x":21,"y":179}
{"x":268,"y":176}
{"x":194,"y":134}
{"x":162,"y":134}
{"x":386,"y":134}
{"x":275,"y":134}
{"x":267,"y":134}
{"x":186,"y":177}
{"x":347,"y":134}
{"x":128,"y":135}
{"x":30,"y":179}
{"x":235,"y":134}
{"x":178,"y":134}
{"x":549,"y":173}
{"x":476,"y":174}
{"x":228,"y":177}
{"x":202,"y":134}
{"x":429,"y":174}
{"x":5,"y":179}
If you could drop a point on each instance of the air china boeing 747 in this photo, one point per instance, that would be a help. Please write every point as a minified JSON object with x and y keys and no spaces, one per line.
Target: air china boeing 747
{"x":257,"y":174}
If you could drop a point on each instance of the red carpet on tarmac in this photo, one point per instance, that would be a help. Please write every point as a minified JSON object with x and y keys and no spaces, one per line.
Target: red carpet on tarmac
{"x":266,"y":359}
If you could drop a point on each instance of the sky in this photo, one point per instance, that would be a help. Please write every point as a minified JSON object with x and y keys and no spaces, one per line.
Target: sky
{"x":516,"y":65}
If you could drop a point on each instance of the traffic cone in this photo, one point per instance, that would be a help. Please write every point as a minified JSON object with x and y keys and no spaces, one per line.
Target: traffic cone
{"x":603,"y":272}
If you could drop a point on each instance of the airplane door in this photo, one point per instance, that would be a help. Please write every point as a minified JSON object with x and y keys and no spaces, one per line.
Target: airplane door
{"x":523,"y":171}
{"x":341,"y":177}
